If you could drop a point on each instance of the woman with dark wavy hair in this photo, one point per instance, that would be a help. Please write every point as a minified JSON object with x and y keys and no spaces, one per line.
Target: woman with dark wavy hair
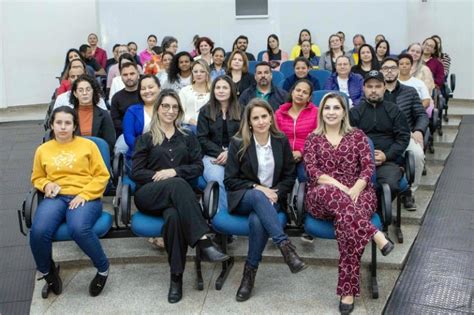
{"x":179,"y":72}
{"x":93,"y":121}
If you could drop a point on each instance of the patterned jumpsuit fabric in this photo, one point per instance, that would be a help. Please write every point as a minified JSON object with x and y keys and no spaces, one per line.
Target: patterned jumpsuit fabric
{"x":347,"y":162}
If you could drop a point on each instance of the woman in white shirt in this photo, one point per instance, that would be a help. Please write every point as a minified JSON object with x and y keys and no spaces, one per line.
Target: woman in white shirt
{"x":259,"y":174}
{"x":196,"y":95}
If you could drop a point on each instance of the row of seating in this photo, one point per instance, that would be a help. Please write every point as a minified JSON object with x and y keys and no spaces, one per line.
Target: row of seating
{"x":222,"y":222}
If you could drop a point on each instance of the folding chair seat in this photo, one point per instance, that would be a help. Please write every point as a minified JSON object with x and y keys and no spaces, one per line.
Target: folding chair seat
{"x":286,"y":68}
{"x":321,"y":75}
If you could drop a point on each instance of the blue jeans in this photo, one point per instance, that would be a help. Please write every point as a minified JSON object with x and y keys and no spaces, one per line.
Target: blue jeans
{"x":301,"y":173}
{"x":215,"y":172}
{"x":263,"y":222}
{"x":49,"y":215}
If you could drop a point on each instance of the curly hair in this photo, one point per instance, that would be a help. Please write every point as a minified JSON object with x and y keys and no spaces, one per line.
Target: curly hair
{"x":174,"y":70}
{"x":96,"y":93}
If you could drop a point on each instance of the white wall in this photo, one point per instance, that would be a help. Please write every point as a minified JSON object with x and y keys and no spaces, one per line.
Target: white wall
{"x":453,"y":21}
{"x":35,"y":35}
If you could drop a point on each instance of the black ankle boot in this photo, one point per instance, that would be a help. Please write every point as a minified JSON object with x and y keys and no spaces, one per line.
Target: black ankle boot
{"x":176,"y":288}
{"x":97,"y":284}
{"x":291,"y":257}
{"x":210,"y":252}
{"x":246,"y":285}
{"x":53,"y":281}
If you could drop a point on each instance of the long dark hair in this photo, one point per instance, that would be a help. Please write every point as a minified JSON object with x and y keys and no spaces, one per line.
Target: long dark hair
{"x":374,"y":63}
{"x":269,"y":50}
{"x":67,"y":110}
{"x":311,"y":88}
{"x":299,"y":37}
{"x":95,"y":90}
{"x":388,"y":47}
{"x":435,"y":50}
{"x":174,"y":70}
{"x":234,"y":109}
{"x":311,"y":52}
{"x":66,"y":61}
{"x":439,"y":53}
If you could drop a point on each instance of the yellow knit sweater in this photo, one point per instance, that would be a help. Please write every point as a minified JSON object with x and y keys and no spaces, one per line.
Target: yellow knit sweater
{"x":77,"y":167}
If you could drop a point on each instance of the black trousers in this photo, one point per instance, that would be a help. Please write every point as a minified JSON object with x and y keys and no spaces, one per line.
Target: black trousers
{"x":175,"y":200}
{"x":389,"y":173}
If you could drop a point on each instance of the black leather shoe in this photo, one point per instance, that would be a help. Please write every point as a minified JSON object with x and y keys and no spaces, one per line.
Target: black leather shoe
{"x":345,"y":308}
{"x":212,"y":253}
{"x":387,"y":249}
{"x":97,"y":284}
{"x":409,"y":202}
{"x":53,"y":281}
{"x":176,"y":291}
{"x":292,"y":259}
{"x":246,"y":285}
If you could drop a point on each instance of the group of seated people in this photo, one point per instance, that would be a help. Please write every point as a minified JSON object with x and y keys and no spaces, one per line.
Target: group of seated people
{"x":194,"y":117}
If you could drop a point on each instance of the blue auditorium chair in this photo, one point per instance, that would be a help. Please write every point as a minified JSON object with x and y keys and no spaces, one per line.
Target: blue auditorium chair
{"x":321,"y":75}
{"x":286,"y":68}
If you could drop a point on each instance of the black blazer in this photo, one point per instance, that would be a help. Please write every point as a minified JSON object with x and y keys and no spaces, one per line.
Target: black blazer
{"x":102,"y":127}
{"x":242,"y":174}
{"x":209,"y":132}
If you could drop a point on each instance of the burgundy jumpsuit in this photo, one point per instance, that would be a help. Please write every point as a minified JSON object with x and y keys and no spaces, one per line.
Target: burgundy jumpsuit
{"x":347,"y":162}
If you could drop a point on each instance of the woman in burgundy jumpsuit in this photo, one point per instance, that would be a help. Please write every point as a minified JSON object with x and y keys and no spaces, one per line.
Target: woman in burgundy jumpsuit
{"x":339,"y":166}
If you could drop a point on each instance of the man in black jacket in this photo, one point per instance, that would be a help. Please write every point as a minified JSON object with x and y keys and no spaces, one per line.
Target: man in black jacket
{"x":409,"y":102}
{"x":385,"y":124}
{"x":264,"y":88}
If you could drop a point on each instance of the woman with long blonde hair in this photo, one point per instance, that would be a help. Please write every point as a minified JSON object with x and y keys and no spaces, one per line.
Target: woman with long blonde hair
{"x":259,"y":174}
{"x":195,"y":96}
{"x":165,"y":161}
{"x":339,"y":166}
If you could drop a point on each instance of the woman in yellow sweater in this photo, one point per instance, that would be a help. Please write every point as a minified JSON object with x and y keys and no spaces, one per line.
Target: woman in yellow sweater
{"x":71,"y":173}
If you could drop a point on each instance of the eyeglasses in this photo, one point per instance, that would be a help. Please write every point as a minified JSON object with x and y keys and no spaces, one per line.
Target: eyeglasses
{"x":86,"y":90}
{"x":167,"y":107}
{"x":389,"y":69}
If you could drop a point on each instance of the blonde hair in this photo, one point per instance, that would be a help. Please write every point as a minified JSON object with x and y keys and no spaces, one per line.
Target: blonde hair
{"x":157,"y":133}
{"x":245,"y":131}
{"x":345,"y":124}
{"x":202,"y":63}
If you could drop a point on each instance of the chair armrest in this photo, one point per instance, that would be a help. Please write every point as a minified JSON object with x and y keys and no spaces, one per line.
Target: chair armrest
{"x":410,"y":166}
{"x":300,"y":204}
{"x":118,"y":168}
{"x":452,"y":83}
{"x":125,"y":207}
{"x":386,"y":205}
{"x":210,"y":200}
{"x":32,"y":200}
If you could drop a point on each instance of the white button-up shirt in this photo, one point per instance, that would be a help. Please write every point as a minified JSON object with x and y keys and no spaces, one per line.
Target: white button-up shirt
{"x":266,"y":162}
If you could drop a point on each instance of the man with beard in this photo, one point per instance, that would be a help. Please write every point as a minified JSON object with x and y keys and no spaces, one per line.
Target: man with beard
{"x":409,"y":102}
{"x":86,"y":53}
{"x":123,"y":99}
{"x":240,"y":43}
{"x":385,"y":124}
{"x":264,"y":88}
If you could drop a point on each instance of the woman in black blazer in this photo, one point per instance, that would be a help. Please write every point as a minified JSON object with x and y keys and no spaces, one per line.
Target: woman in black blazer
{"x":93,"y":121}
{"x":259,"y":174}
{"x":218,"y":122}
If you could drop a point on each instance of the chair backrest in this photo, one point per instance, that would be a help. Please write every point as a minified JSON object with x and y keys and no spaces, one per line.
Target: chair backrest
{"x":104,"y":150}
{"x":286,"y":68}
{"x":372,"y":149}
{"x":260,"y":55}
{"x":278,"y":78}
{"x":252,"y":65}
{"x":318,"y":96}
{"x":321,"y":75}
